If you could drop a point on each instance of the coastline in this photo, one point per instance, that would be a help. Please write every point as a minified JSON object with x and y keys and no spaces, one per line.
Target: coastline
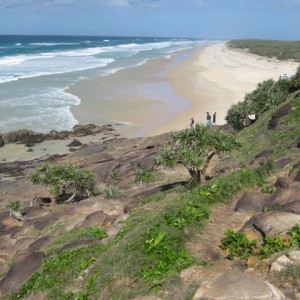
{"x":162,"y":95}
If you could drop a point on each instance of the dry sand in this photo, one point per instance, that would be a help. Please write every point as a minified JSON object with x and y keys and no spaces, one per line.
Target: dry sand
{"x":218,"y":77}
{"x":161,"y":95}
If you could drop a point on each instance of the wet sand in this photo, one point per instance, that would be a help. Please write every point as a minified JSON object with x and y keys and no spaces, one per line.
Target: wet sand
{"x":162,"y":95}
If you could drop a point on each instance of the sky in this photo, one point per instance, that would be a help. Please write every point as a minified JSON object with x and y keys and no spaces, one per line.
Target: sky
{"x":213,"y":19}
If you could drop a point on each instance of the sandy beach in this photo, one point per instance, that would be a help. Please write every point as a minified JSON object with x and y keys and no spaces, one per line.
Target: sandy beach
{"x":162,"y":95}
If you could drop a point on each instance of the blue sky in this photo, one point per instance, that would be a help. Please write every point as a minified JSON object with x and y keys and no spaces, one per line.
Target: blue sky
{"x":216,"y":19}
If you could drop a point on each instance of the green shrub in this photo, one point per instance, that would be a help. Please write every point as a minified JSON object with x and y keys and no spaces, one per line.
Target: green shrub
{"x":238,"y":245}
{"x":273,"y":245}
{"x":63,"y":180}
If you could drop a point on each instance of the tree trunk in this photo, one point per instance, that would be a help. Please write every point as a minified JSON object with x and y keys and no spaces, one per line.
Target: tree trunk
{"x":71,"y":198}
{"x":208,"y":159}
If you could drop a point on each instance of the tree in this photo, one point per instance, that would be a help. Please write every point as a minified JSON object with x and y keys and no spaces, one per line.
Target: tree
{"x":193,"y":148}
{"x":268,"y":94}
{"x":65,"y":181}
{"x":237,"y":114}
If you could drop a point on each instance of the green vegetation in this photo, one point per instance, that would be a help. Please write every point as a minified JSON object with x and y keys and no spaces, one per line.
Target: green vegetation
{"x":72,"y":236}
{"x":267,"y":95}
{"x":14,"y":206}
{"x":65,"y":181}
{"x":147,"y":253}
{"x":282,"y":50}
{"x":193,"y":148}
{"x":142,"y":174}
{"x":239,"y":245}
{"x":290,"y":275}
{"x":111,"y":191}
{"x":114,"y":174}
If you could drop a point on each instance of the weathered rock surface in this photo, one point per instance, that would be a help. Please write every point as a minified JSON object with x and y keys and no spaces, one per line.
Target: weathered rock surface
{"x":30,"y":138}
{"x":252,"y":202}
{"x":292,"y":258}
{"x":235,"y":285}
{"x":275,"y":222}
{"x":19,"y":272}
{"x":279,"y":113}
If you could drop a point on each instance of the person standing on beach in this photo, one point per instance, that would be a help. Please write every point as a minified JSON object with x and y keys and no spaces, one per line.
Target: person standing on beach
{"x":214,"y":117}
{"x":192,"y":122}
{"x":208,"y":119}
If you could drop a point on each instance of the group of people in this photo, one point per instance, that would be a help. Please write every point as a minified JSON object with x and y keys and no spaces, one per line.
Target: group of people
{"x":209,"y":122}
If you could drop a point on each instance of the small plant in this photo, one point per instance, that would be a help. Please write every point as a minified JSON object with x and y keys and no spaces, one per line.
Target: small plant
{"x":14,"y":206}
{"x":295,"y":235}
{"x":114,"y":174}
{"x":111,"y":191}
{"x":65,"y":181}
{"x":142,"y":174}
{"x":273,"y":245}
{"x":238,"y":245}
{"x":15,"y":210}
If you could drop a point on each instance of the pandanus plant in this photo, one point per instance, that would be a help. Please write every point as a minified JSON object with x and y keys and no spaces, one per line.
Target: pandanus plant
{"x":193,"y":148}
{"x":65,"y":181}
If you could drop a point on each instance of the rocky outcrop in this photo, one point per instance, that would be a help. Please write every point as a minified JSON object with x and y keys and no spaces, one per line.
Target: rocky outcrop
{"x":30,"y":138}
{"x":277,"y":116}
{"x":20,"y":271}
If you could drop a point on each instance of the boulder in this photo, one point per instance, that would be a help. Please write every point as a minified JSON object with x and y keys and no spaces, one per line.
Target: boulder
{"x":75,"y":143}
{"x":252,"y":202}
{"x":20,"y":136}
{"x":235,"y":285}
{"x":289,"y":259}
{"x":275,"y":222}
{"x":283,"y":197}
{"x":283,"y":182}
{"x":281,"y":163}
{"x":19,"y":272}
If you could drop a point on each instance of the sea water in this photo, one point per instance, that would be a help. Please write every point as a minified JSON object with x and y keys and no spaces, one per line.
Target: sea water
{"x":35,"y":72}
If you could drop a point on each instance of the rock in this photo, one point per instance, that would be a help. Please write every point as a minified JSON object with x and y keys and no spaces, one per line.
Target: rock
{"x":252,"y":202}
{"x":19,"y":136}
{"x":235,"y":285}
{"x":293,"y":207}
{"x":75,"y":143}
{"x":2,"y":143}
{"x":275,"y":222}
{"x":286,"y":260}
{"x":277,"y":116}
{"x":297,"y":177}
{"x":281,"y":163}
{"x":38,"y":244}
{"x":283,"y":182}
{"x":19,"y":272}
{"x":284,"y":197}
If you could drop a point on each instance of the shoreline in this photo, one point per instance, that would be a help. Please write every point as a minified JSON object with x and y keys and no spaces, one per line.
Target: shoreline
{"x":162,"y":95}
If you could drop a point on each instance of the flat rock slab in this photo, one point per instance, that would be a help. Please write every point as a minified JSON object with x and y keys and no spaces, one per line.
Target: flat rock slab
{"x":19,"y":272}
{"x":252,"y":202}
{"x":275,"y":222}
{"x":234,"y":285}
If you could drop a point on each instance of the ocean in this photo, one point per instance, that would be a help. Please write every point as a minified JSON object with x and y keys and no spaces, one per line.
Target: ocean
{"x":36,"y":71}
